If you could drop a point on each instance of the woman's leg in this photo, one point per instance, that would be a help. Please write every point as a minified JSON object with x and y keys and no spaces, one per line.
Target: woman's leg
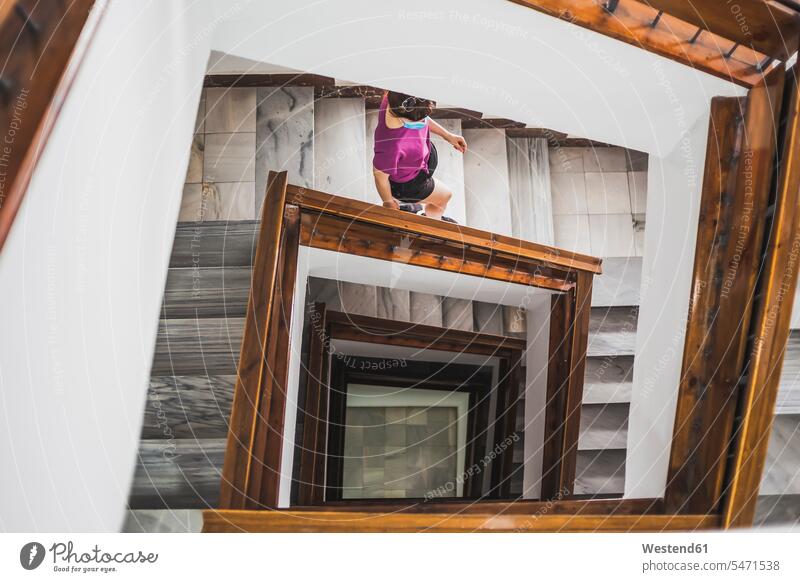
{"x":437,"y":201}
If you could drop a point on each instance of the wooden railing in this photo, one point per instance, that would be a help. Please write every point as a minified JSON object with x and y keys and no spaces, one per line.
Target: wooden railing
{"x":42,"y":44}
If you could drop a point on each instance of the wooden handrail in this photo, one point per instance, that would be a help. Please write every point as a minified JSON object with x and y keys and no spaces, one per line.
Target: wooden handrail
{"x":461,"y":235}
{"x":667,"y":34}
{"x":42,"y":45}
{"x":291,"y":521}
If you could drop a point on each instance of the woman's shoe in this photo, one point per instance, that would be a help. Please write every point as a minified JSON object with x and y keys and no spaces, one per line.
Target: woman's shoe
{"x":411,"y":207}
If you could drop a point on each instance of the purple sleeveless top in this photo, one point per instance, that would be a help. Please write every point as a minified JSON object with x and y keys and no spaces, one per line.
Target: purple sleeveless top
{"x":400,"y":152}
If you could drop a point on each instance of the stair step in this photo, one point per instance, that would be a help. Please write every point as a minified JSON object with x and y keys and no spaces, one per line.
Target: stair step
{"x":608,"y":379}
{"x":782,"y":467}
{"x":620,"y":283}
{"x":612,"y":331}
{"x":188,"y":407}
{"x":198,"y":346}
{"x":163,"y":521}
{"x":603,"y":426}
{"x":207,"y":292}
{"x":177,"y":474}
{"x":789,"y":393}
{"x":600,"y":472}
{"x":772,"y":510}
{"x":215,"y":244}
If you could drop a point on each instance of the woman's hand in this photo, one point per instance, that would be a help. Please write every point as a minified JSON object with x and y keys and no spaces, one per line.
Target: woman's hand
{"x":392,"y":203}
{"x":457,"y":142}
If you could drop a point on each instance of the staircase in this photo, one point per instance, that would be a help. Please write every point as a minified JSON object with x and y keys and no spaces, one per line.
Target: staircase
{"x":588,"y":199}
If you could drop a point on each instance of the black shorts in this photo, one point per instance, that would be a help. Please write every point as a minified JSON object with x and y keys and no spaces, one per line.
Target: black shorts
{"x":420,"y":186}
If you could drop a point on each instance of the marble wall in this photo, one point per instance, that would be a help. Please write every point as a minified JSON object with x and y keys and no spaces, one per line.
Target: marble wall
{"x":284,"y":136}
{"x":340,"y":148}
{"x":599,"y":200}
{"x":220,"y":180}
{"x":531,"y":199}
{"x":488,"y":200}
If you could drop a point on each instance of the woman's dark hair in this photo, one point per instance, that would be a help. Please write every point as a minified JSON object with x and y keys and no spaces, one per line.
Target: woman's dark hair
{"x":408,"y":107}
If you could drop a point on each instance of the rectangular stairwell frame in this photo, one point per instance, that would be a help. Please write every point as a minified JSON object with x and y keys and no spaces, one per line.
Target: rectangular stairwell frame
{"x":292,"y":217}
{"x":314,"y":485}
{"x":728,"y":388}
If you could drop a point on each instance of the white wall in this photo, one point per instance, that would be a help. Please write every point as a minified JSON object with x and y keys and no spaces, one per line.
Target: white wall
{"x":673,"y":206}
{"x":488,"y":55}
{"x":82,"y":272}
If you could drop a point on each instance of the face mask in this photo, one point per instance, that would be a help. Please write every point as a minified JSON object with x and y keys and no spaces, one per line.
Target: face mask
{"x":414,"y":124}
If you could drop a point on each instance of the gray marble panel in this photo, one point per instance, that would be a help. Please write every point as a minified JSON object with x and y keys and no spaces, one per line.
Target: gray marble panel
{"x":370,"y":123}
{"x":638,"y":234}
{"x":457,"y":313}
{"x":206,"y":292}
{"x":612,"y":331}
{"x":426,"y":309}
{"x":572,"y":233}
{"x":530,"y":191}
{"x":600,"y":472}
{"x":607,"y":193}
{"x":195,"y":347}
{"x":782,"y":467}
{"x":220,"y":201}
{"x":340,"y":148}
{"x":612,"y":235}
{"x":568,"y":192}
{"x":192,"y":202}
{"x":394,"y":304}
{"x":163,"y":521}
{"x":324,"y":291}
{"x":358,"y":299}
{"x":789,"y":392}
{"x":180,"y":407}
{"x":230,"y":110}
{"x":636,"y":161}
{"x":177,"y":474}
{"x":214,"y":244}
{"x":486,"y":184}
{"x":229,"y":157}
{"x":605,"y":159}
{"x":637,"y":186}
{"x":603,"y":426}
{"x":778,"y":510}
{"x":566,"y":160}
{"x":194,"y":173}
{"x":200,"y":119}
{"x":619,"y":284}
{"x":284,"y":136}
{"x":488,"y":317}
{"x":515,"y":321}
{"x":608,"y":379}
{"x":451,"y":170}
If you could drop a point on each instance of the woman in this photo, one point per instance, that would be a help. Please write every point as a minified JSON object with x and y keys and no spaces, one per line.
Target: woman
{"x":405,"y":158}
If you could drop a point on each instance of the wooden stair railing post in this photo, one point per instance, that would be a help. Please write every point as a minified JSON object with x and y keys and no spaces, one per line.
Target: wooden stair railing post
{"x":311,"y":488}
{"x":252,"y":372}
{"x":771,"y":329}
{"x":569,"y":330}
{"x":266,"y":455}
{"x":733,"y":211}
{"x":41,"y":55}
